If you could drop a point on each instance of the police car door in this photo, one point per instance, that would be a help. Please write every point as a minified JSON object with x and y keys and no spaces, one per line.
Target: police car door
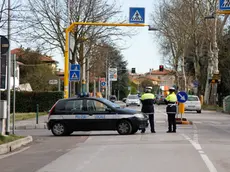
{"x":102,"y":116}
{"x":77,"y":115}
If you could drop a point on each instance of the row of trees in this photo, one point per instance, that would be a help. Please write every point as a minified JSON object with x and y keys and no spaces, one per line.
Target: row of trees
{"x":41,"y":24}
{"x":190,"y":42}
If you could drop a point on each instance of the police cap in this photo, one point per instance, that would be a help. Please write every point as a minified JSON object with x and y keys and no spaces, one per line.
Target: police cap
{"x":172,"y":89}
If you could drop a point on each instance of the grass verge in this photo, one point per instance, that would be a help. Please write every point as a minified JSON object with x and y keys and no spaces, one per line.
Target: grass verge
{"x":10,"y":138}
{"x":25,"y":116}
{"x":212,"y":107}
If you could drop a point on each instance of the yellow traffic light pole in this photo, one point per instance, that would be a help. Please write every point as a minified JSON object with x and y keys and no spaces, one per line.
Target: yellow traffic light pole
{"x":69,"y":29}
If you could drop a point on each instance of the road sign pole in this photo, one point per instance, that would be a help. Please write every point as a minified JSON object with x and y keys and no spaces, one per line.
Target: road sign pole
{"x":0,"y":68}
{"x":69,"y":29}
{"x":14,"y":95}
{"x":94,"y":88}
{"x":99,"y":85}
{"x":8,"y":72}
{"x":66,"y":69}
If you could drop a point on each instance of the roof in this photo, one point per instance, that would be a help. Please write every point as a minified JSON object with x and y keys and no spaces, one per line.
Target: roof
{"x":60,"y":73}
{"x":157,"y":72}
{"x":19,"y":51}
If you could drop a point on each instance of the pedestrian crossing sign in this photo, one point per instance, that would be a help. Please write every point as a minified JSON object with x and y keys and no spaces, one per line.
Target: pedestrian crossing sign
{"x":224,"y":5}
{"x":136,"y":15}
{"x":74,"y":75}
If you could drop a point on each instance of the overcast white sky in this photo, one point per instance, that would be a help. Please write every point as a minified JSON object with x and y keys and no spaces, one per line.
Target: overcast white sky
{"x":142,"y":52}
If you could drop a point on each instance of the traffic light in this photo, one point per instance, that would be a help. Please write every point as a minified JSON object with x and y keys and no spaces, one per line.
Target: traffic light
{"x":3,"y":72}
{"x":133,"y":70}
{"x":161,"y":68}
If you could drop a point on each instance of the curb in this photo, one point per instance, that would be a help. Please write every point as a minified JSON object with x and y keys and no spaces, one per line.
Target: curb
{"x":9,"y":147}
{"x":30,"y":126}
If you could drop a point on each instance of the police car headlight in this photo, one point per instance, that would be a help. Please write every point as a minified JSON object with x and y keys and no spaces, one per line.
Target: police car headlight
{"x":139,"y":115}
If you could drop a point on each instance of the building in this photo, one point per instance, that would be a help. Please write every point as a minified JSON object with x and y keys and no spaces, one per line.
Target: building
{"x":166,"y":77}
{"x":45,"y":59}
{"x":138,"y":78}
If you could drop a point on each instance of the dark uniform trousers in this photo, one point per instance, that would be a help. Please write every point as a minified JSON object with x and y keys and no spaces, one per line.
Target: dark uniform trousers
{"x":151,"y":122}
{"x":171,"y":111}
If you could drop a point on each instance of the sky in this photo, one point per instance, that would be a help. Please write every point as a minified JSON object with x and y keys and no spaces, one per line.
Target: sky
{"x":141,"y":51}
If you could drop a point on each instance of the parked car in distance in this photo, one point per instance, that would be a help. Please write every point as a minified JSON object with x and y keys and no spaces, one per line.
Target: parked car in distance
{"x":160,"y":99}
{"x":133,"y":100}
{"x":193,"y":104}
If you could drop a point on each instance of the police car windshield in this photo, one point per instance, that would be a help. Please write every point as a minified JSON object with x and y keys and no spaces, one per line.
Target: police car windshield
{"x":114,"y":105}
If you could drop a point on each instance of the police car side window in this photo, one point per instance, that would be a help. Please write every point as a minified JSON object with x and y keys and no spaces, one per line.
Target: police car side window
{"x":96,"y":106}
{"x":74,"y":105}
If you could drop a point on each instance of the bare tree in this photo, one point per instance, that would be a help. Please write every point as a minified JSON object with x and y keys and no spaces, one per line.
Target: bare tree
{"x":50,"y":18}
{"x":197,"y":37}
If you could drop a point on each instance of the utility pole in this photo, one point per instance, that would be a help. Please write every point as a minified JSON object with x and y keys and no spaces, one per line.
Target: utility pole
{"x":106,"y":78}
{"x":83,"y":66}
{"x":14,"y":95}
{"x":8,"y":73}
{"x":87,"y":72}
{"x":99,"y":84}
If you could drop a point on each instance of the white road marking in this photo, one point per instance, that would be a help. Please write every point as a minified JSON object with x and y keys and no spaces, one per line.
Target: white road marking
{"x":197,"y":146}
{"x":13,"y":153}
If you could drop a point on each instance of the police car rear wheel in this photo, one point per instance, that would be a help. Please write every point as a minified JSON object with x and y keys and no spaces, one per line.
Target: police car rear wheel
{"x":124,"y":127}
{"x":59,"y":129}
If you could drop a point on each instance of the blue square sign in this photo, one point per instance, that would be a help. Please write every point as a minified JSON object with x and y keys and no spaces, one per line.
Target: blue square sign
{"x":136,"y":15}
{"x":75,"y":67}
{"x":74,"y":75}
{"x":224,"y":5}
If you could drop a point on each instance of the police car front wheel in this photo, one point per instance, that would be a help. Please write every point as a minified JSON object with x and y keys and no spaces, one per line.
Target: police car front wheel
{"x":59,"y":129}
{"x":124,"y":127}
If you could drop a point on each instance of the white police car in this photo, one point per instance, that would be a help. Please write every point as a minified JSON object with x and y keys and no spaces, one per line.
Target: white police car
{"x":89,"y":113}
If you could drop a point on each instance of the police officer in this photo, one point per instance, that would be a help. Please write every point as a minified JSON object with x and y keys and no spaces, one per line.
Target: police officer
{"x":171,"y":110}
{"x":147,"y":100}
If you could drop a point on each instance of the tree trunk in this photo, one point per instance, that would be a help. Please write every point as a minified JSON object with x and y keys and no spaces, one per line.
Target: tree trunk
{"x":209,"y":75}
{"x":184,"y":85}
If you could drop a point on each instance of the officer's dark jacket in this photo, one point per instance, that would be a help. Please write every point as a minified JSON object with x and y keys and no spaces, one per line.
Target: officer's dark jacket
{"x":147,"y":100}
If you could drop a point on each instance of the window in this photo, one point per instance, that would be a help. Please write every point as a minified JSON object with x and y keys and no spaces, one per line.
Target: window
{"x":74,"y":105}
{"x":96,"y":106}
{"x":114,"y":105}
{"x":193,"y":99}
{"x":133,"y":97}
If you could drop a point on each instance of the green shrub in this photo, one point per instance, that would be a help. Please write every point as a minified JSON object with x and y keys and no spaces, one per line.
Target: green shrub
{"x":27,"y":101}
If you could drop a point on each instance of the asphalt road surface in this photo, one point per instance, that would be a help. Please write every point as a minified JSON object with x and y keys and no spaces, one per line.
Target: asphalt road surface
{"x":201,"y":147}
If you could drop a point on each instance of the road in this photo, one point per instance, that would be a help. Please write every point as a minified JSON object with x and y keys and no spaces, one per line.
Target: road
{"x":201,"y":147}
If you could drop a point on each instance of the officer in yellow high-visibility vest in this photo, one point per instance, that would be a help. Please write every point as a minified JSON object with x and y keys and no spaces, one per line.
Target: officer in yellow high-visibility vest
{"x":171,"y":110}
{"x":147,"y":100}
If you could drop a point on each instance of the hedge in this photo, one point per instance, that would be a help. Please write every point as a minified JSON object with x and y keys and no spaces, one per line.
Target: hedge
{"x":27,"y":101}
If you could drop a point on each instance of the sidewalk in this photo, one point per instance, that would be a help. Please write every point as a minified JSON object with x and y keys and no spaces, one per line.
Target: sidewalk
{"x":31,"y":123}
